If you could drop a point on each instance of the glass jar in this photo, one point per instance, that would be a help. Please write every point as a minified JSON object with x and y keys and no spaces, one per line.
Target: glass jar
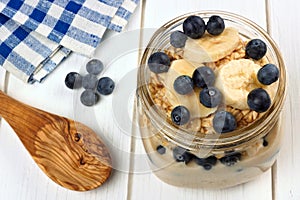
{"x":184,"y":157}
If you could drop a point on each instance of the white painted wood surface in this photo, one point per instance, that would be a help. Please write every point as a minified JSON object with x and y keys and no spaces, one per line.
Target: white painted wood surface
{"x":21,"y":179}
{"x":285,"y":31}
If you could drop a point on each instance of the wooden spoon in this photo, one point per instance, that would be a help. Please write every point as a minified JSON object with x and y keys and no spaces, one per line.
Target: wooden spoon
{"x":70,"y":153}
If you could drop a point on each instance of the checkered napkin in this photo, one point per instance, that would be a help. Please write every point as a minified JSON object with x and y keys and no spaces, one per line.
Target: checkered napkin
{"x":36,"y":35}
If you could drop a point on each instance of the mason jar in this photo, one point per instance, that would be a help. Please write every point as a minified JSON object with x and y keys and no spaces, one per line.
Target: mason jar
{"x":189,"y":156}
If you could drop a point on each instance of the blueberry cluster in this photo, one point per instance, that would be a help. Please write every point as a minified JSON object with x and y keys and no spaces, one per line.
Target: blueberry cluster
{"x":194,"y":27}
{"x":258,"y":99}
{"x":183,"y":155}
{"x":93,"y":87}
{"x":210,"y":97}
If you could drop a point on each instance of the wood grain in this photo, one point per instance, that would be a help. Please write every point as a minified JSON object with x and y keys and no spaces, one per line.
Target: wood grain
{"x":70,"y":153}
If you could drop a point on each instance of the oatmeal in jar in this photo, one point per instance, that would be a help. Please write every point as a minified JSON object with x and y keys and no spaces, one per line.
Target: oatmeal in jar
{"x":210,"y":101}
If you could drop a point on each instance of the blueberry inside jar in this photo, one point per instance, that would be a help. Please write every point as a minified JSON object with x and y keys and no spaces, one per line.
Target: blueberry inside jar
{"x":213,"y":111}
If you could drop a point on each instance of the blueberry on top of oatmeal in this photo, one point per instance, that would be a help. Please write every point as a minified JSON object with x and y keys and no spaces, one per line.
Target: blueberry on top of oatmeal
{"x":194,"y":27}
{"x":224,"y":122}
{"x":215,"y":25}
{"x":180,"y":115}
{"x":256,"y":49}
{"x":268,"y":74}
{"x":259,"y":100}
{"x":159,"y":62}
{"x":178,"y":39}
{"x":183,"y":84}
{"x":203,"y":77}
{"x":210,"y":97}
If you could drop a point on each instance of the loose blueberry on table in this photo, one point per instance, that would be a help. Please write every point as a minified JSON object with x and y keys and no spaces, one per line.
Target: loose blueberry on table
{"x":73,"y":80}
{"x":89,"y":81}
{"x":105,"y":86}
{"x":89,"y":98}
{"x":94,"y":66}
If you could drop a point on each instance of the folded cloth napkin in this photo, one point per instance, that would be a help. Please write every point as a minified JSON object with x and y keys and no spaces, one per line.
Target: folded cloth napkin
{"x":36,"y":35}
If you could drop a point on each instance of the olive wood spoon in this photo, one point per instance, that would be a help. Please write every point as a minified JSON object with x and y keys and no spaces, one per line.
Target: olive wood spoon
{"x":70,"y":153}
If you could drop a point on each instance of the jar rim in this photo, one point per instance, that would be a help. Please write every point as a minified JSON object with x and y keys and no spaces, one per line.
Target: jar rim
{"x":225,"y":140}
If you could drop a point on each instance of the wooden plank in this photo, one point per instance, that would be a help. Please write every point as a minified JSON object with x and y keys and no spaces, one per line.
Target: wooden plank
{"x":144,"y":185}
{"x":285,"y":32}
{"x":20,"y":177}
{"x":2,"y":78}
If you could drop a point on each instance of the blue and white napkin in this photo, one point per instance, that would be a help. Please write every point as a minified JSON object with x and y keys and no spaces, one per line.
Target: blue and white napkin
{"x":36,"y":35}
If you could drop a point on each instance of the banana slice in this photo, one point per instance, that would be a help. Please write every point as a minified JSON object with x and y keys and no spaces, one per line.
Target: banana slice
{"x":190,"y":101}
{"x":236,"y":79}
{"x":211,"y":48}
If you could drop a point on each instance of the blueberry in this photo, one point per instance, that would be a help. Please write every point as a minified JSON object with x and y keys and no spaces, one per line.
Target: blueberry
{"x":159,"y":62}
{"x":215,"y":25}
{"x":89,"y":81}
{"x":203,"y":77}
{"x":178,"y":39}
{"x":256,"y":49}
{"x":182,"y":155}
{"x":180,"y":115}
{"x":194,"y":27}
{"x":206,"y":163}
{"x":183,"y":85}
{"x":89,"y":98}
{"x":231,"y":158}
{"x":259,"y":100}
{"x":94,"y":66}
{"x":224,"y":122}
{"x":210,"y":97}
{"x":161,"y":149}
{"x":105,"y":86}
{"x":268,"y":74}
{"x":265,"y":142}
{"x":73,"y":80}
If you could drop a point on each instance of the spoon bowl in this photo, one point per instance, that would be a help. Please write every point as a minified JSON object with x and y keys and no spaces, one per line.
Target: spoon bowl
{"x":68,"y":152}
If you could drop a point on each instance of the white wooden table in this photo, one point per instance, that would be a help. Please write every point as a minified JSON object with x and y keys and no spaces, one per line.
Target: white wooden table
{"x":21,"y":179}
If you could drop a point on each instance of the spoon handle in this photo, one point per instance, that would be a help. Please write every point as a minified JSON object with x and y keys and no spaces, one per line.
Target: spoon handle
{"x":22,"y":118}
